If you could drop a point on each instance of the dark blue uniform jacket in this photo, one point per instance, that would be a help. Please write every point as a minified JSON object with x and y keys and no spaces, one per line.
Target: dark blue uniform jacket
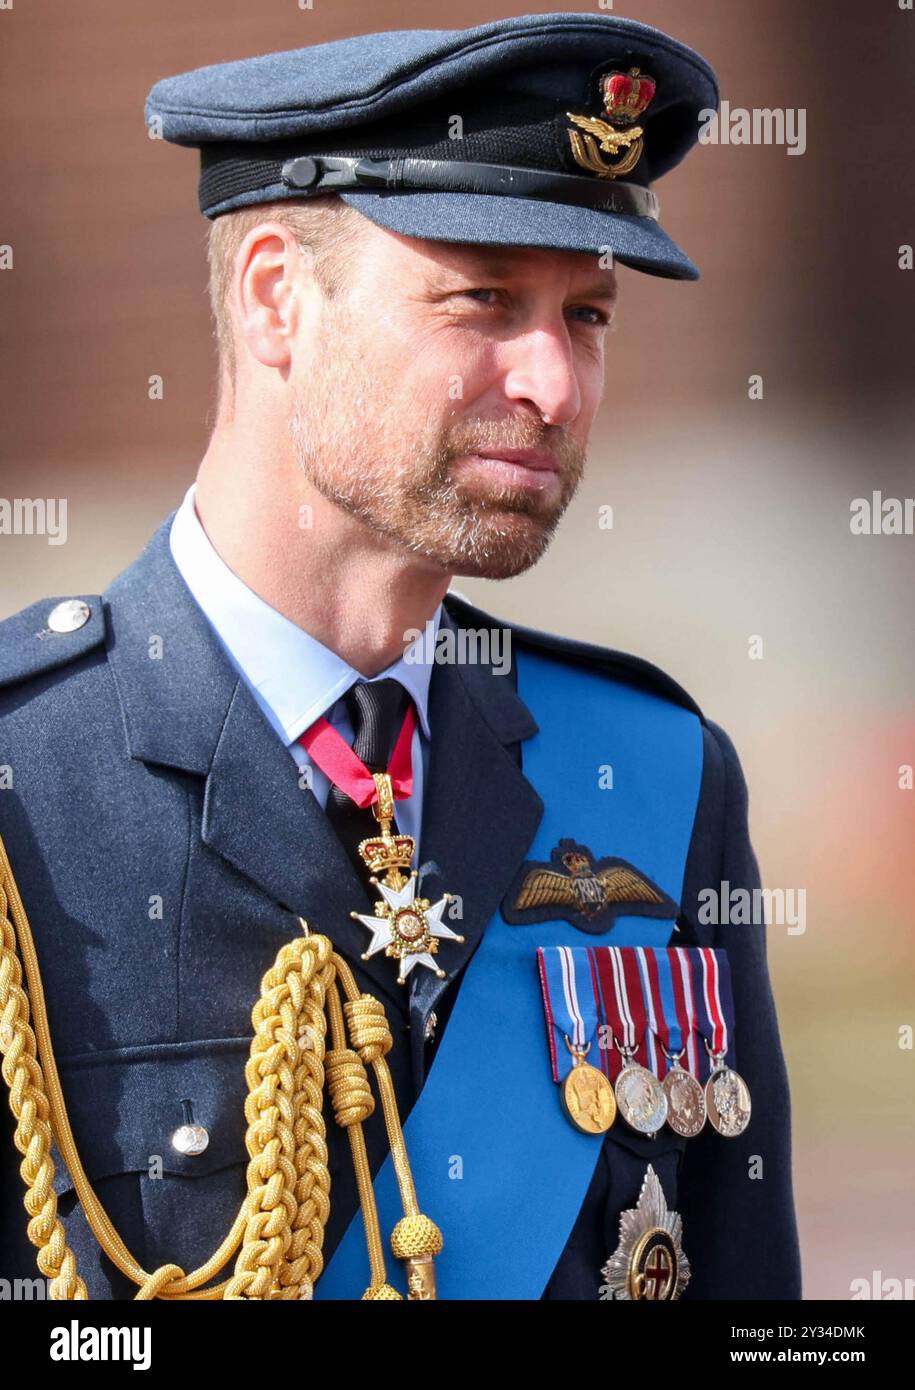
{"x":142,"y":779}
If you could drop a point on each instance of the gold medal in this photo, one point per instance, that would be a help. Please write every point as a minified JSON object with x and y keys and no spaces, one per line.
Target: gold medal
{"x":587,"y":1095}
{"x":404,"y":926}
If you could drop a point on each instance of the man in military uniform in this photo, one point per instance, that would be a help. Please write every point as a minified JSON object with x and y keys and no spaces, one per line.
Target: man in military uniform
{"x":413,"y":246}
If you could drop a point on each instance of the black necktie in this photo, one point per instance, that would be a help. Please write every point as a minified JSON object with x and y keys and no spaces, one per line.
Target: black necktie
{"x":376,"y":710}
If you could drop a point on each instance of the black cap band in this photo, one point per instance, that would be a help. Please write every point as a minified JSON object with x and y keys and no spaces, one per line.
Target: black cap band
{"x":308,"y":176}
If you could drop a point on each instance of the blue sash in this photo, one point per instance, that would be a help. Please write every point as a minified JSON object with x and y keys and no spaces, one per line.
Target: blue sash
{"x":497,"y":1165}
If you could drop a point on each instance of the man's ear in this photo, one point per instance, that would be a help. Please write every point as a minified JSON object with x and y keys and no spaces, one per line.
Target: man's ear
{"x":270,"y":275}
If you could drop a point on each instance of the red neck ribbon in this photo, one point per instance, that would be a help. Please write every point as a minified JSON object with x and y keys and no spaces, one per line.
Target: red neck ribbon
{"x":333,"y":755}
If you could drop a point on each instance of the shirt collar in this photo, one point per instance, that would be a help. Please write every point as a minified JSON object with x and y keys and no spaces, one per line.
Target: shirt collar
{"x":294,"y":677}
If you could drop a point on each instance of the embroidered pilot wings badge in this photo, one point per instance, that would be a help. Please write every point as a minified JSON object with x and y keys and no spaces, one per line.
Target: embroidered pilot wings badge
{"x":589,"y":894}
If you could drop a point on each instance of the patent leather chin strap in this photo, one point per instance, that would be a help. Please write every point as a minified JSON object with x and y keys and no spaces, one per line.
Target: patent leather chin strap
{"x":315,"y":174}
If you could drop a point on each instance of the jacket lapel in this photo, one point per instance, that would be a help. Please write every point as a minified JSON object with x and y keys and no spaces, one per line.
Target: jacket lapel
{"x":259,"y":818}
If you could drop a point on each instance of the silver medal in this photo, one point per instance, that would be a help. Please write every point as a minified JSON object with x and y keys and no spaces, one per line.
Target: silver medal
{"x":686,"y":1108}
{"x":640,"y":1098}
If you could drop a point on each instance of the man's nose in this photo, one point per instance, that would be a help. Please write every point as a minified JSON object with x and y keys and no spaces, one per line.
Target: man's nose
{"x":541,"y":370}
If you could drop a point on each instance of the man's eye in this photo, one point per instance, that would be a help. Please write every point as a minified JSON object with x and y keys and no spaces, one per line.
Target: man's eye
{"x":473,"y":293}
{"x":600,"y":319}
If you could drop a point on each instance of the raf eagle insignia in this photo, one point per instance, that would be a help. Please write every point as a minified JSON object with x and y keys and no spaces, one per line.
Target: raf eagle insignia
{"x":590,"y":894}
{"x":625,"y":97}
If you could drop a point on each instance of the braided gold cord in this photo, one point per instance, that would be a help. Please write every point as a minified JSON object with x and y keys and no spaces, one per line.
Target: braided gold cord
{"x":29,"y":1103}
{"x":282,"y":1256}
{"x":280,"y":1224}
{"x":303,"y":1261}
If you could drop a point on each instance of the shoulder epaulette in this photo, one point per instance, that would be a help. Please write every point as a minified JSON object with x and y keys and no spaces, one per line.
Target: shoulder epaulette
{"x":48,"y":634}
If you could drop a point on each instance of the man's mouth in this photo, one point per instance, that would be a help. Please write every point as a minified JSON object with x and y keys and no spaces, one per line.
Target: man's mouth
{"x":537,"y":459}
{"x":522,"y":467}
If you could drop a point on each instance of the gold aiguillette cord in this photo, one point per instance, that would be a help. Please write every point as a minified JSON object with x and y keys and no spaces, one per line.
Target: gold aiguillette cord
{"x":280,"y":1224}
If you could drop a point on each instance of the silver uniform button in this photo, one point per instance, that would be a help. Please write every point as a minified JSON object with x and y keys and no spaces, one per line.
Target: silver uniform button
{"x":69,"y":615}
{"x":429,"y":1031}
{"x":190,"y":1139}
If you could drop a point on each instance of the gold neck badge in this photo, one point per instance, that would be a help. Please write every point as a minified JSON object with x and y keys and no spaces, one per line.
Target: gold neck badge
{"x":404,"y":926}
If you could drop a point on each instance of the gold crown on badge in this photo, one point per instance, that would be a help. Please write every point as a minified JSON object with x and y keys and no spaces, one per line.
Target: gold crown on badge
{"x":387,"y":852}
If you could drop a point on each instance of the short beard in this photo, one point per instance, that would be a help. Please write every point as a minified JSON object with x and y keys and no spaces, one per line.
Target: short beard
{"x":350,"y":444}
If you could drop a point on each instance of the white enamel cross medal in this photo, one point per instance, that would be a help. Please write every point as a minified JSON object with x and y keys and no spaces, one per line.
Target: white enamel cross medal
{"x":405,"y":927}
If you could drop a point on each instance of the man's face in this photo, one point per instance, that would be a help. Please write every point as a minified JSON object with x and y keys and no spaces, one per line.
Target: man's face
{"x":436,"y":361}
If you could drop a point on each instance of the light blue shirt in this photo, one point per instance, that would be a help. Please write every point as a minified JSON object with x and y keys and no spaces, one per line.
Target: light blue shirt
{"x":293,"y":677}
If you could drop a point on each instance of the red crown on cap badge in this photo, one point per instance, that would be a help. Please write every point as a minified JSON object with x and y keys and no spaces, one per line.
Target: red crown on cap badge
{"x":626,"y":95}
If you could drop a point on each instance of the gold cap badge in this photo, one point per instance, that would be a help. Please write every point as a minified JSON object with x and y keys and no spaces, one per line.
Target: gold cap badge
{"x":625,"y":97}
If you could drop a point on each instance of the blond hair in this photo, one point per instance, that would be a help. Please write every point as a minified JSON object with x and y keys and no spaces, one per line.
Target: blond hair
{"x":326,"y":225}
